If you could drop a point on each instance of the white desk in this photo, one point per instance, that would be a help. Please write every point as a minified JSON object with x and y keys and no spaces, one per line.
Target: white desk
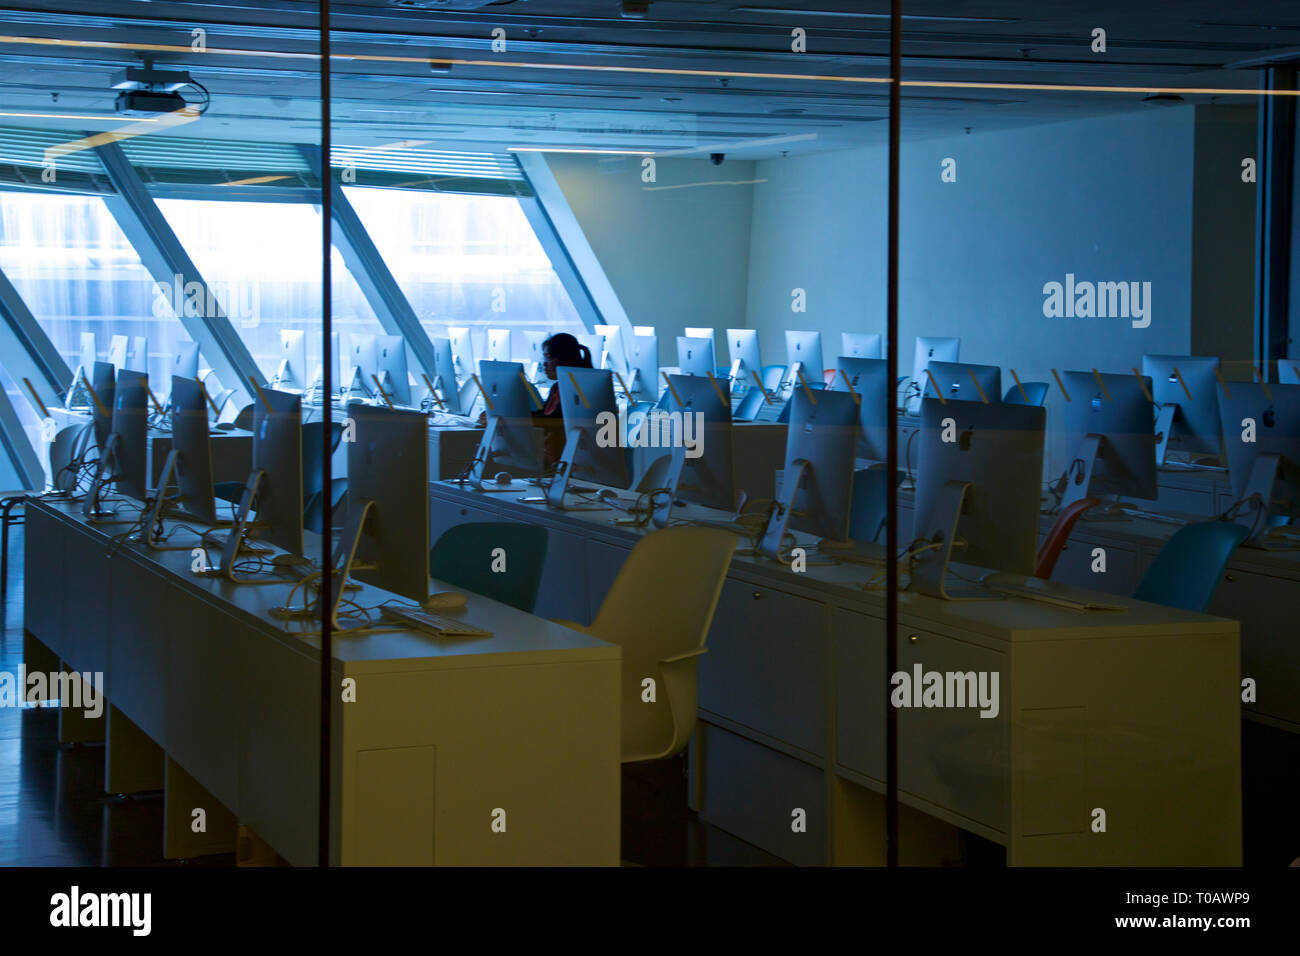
{"x":218,"y":701}
{"x":1092,"y":712}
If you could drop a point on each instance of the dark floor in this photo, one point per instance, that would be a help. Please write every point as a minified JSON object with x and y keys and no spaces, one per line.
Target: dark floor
{"x":54,"y":812}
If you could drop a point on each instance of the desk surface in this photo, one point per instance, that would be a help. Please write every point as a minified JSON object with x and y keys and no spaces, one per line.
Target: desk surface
{"x":528,"y":639}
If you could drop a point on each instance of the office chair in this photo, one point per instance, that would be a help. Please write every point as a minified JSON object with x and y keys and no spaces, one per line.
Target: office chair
{"x":313,"y":457}
{"x":1188,"y":569}
{"x":636,"y":415}
{"x":244,"y":419}
{"x":772,"y":375}
{"x":69,"y":445}
{"x":313,"y":512}
{"x":867,"y":514}
{"x":1054,"y":543}
{"x":749,"y":406}
{"x":659,"y":610}
{"x":1035,"y":393}
{"x":463,"y":557}
{"x":828,"y":377}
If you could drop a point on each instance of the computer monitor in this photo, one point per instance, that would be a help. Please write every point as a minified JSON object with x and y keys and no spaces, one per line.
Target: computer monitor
{"x":1261,"y":434}
{"x":192,"y":450}
{"x":1288,"y":371}
{"x":643,"y":366}
{"x":595,"y":344}
{"x":928,"y":349}
{"x":979,"y":478}
{"x":462,"y":352}
{"x":131,"y":426}
{"x":614,"y":349}
{"x":103,"y":384}
{"x":817,"y":482}
{"x":532,"y":354}
{"x":185,"y":361}
{"x":498,"y":346}
{"x":444,"y":375}
{"x":292,"y":369}
{"x":388,"y":477}
{"x":277,"y":454}
{"x":87,"y":354}
{"x":860,"y":345}
{"x":336,"y":365}
{"x":869,"y":378}
{"x":961,"y":381}
{"x":510,"y":441}
{"x":803,"y":351}
{"x":1108,"y":434}
{"x":695,"y":355}
{"x":117,"y":349}
{"x":1185,"y":389}
{"x":392,"y":368}
{"x":695,"y":429}
{"x":742,"y":351}
{"x":363,"y":358}
{"x":590,"y":411}
{"x":137,"y":354}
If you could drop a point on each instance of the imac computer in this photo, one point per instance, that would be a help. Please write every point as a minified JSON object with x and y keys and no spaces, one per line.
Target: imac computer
{"x":363,"y":361}
{"x":803,"y":353}
{"x":291,"y":372}
{"x":1185,"y":390}
{"x":388,"y":500}
{"x":615,"y":357}
{"x":87,"y":354}
{"x":869,"y":379}
{"x":137,"y":354}
{"x":1261,"y":434}
{"x":695,"y":429}
{"x":277,"y":454}
{"x":462,"y":352}
{"x":446,"y":391}
{"x":189,"y":462}
{"x":1108,"y":434}
{"x":510,"y":440}
{"x":860,"y":345}
{"x":588,"y":406}
{"x":533,"y":359}
{"x":185,"y":362}
{"x":117,"y":349}
{"x":336,"y":375}
{"x":595,"y":344}
{"x":131,"y":426}
{"x":391,"y":366}
{"x":746,"y":364}
{"x":498,"y":346}
{"x":643,"y":366}
{"x":979,"y":478}
{"x":695,"y":355}
{"x":102,"y":386}
{"x":817,"y":482}
{"x":928,"y":349}
{"x":962,"y":382}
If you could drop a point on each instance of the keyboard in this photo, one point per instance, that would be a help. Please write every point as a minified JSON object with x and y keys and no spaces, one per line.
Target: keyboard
{"x":1044,"y":592}
{"x":430,"y":623}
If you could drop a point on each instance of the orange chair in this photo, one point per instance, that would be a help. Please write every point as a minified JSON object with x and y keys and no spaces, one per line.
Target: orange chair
{"x":1054,"y":543}
{"x":828,"y":377}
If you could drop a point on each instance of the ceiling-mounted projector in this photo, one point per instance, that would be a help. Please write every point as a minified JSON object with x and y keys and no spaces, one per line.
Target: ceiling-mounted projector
{"x":148,"y":92}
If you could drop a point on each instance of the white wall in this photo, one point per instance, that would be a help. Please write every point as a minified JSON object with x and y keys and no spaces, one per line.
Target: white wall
{"x":675,"y":250}
{"x":1107,"y":199}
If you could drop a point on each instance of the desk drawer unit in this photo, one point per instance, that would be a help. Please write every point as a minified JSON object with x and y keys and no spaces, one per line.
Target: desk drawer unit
{"x":1267,"y":608}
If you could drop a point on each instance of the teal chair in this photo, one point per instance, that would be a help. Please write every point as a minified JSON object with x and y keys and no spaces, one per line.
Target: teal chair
{"x":1035,"y":393}
{"x":463,"y":557}
{"x":772,"y":375}
{"x":1188,"y":569}
{"x":867,"y":514}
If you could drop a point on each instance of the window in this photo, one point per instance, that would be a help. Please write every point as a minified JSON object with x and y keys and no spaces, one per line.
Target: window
{"x":465,"y":260}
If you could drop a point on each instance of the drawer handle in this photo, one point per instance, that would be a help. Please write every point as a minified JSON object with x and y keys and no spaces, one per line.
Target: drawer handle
{"x":758,"y":595}
{"x":1229,"y":578}
{"x":912,"y":638}
{"x":464,"y":511}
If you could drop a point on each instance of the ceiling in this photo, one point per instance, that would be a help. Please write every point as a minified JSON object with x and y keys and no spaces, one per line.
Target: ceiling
{"x":683,"y":76}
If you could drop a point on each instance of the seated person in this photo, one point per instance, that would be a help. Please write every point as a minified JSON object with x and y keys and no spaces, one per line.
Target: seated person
{"x":561,"y":350}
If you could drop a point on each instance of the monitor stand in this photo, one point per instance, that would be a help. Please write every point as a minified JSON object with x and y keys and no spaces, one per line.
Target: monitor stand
{"x":931,"y":570}
{"x":1259,"y":489}
{"x":91,"y":508}
{"x":770,"y":544}
{"x":1088,"y":452}
{"x":158,"y":506}
{"x":664,"y":473}
{"x":479,"y":466}
{"x":555,"y":493}
{"x":235,"y":541}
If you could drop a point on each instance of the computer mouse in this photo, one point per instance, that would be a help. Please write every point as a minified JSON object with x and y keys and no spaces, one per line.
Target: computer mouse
{"x":503,"y":478}
{"x":287,"y":560}
{"x":225,"y":426}
{"x":445,"y":601}
{"x":607,"y":494}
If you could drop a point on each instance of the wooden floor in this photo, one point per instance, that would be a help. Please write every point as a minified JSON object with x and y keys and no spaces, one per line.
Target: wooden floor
{"x":54,"y":812}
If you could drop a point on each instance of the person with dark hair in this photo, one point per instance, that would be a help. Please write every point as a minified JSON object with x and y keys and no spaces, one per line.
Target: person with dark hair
{"x":561,"y":350}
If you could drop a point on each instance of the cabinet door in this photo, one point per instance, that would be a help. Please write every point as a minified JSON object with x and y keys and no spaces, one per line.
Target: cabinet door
{"x":1075,"y":567}
{"x":766,"y":665}
{"x":1267,"y":608}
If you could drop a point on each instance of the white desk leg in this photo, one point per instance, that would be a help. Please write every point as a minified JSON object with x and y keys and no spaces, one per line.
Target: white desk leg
{"x":133,"y":763}
{"x":182,"y":797}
